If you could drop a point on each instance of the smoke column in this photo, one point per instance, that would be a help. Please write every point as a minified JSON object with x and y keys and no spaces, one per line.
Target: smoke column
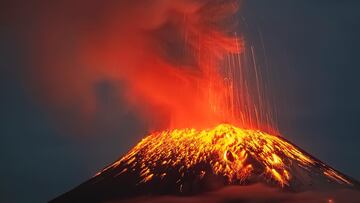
{"x":180,"y":63}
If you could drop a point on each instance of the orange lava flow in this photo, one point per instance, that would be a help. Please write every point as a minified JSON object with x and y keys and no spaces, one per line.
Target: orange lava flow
{"x":231,"y":152}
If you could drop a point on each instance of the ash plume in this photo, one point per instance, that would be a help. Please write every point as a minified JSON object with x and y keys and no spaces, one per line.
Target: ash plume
{"x":159,"y":57}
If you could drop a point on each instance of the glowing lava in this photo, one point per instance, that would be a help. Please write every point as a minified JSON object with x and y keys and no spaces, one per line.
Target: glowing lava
{"x":189,"y":161}
{"x":239,"y":156}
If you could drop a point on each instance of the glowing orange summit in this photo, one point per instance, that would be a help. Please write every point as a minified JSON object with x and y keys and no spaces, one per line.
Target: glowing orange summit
{"x":237,"y":155}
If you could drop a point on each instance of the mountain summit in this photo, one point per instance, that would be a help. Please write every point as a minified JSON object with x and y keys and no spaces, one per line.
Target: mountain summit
{"x":190,"y":161}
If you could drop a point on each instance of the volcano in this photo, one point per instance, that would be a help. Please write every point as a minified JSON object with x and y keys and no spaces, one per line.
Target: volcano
{"x":190,"y":161}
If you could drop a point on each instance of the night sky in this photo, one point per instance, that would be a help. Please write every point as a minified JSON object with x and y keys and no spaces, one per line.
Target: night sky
{"x":312,"y":49}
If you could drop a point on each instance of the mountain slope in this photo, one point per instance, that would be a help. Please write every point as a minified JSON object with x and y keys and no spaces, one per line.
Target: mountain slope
{"x":188,"y":161}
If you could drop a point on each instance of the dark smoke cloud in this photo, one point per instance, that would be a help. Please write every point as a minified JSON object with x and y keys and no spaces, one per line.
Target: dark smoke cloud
{"x":136,"y":48}
{"x":256,"y":194}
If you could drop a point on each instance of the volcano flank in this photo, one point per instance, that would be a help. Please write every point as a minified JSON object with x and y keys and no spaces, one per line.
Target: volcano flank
{"x":188,"y":161}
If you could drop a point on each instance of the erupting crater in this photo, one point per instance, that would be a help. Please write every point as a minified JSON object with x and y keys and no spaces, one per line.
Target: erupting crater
{"x":188,"y":161}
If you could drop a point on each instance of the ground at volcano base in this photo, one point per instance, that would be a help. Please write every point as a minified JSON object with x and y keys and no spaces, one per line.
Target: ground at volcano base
{"x":256,"y":193}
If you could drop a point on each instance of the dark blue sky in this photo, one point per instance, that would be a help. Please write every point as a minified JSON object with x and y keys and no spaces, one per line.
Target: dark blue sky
{"x":312,"y":48}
